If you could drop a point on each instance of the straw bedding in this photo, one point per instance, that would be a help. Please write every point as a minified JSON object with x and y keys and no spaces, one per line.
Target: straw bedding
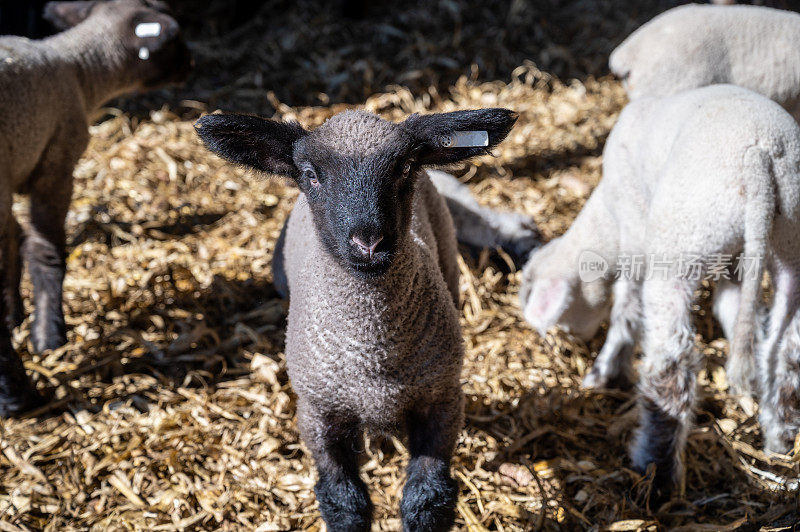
{"x":171,"y":408}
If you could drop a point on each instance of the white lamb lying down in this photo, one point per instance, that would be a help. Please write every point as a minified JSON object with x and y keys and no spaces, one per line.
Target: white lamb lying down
{"x":708,"y":172}
{"x":481,"y":227}
{"x":698,"y":45}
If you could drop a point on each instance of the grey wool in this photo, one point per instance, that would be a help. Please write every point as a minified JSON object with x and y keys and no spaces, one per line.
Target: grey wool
{"x":697,"y":45}
{"x":687,"y":179}
{"x":346,"y":335}
{"x":48,"y":88}
{"x":368,"y":260}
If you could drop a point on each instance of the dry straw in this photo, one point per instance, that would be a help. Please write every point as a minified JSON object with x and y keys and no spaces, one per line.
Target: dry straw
{"x":171,"y":408}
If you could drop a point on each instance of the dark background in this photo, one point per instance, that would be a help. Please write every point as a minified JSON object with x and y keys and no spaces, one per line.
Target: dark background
{"x":251,"y":54}
{"x":312,"y":52}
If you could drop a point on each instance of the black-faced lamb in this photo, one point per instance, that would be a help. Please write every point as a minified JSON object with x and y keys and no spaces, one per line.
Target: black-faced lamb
{"x":476,"y":227}
{"x":369,"y":253}
{"x":47,"y":90}
{"x":697,"y":45}
{"x":687,"y":181}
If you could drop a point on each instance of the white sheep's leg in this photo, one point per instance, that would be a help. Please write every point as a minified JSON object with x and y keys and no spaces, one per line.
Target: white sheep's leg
{"x":430,"y":493}
{"x":667,"y":382}
{"x":613,"y":366}
{"x":779,"y":362}
{"x":482,"y":227}
{"x":342,"y":496}
{"x":739,"y":370}
{"x":726,"y":305}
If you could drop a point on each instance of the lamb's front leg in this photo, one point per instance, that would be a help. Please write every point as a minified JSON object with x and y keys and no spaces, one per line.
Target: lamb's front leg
{"x":613,"y":366}
{"x":17,"y":394}
{"x":45,"y":253}
{"x":667,"y":383}
{"x":430,"y":493}
{"x":342,"y":496}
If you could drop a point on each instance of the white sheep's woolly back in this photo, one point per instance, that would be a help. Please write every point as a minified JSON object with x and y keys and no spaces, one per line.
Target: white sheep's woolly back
{"x":697,"y":45}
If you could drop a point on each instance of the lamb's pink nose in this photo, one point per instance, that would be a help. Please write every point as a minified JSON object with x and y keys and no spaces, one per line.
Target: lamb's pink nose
{"x":367,"y":249}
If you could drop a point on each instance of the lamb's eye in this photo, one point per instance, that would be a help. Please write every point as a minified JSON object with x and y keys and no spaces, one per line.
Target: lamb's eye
{"x":407,"y":168}
{"x":311,"y":177}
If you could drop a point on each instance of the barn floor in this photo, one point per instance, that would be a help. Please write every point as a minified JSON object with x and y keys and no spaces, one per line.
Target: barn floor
{"x":171,"y":408}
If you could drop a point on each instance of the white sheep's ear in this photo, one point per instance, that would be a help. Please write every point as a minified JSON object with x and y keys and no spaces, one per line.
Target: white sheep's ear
{"x":265,"y":145}
{"x":547,"y":302}
{"x":445,"y":138}
{"x":64,"y":15}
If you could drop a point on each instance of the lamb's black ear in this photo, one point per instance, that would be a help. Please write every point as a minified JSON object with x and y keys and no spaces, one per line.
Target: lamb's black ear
{"x":64,"y":15}
{"x":265,"y":145}
{"x":445,"y":138}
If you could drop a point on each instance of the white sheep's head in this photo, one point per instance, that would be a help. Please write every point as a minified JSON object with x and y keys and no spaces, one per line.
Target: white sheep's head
{"x":357,"y":170}
{"x":552,"y":292}
{"x":143,"y":32}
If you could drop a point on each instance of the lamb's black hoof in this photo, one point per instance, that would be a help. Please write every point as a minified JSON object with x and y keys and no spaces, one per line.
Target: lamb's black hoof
{"x":344,"y":504}
{"x":15,"y":318}
{"x":662,"y":472}
{"x":657,"y":444}
{"x":429,"y":500}
{"x":17,"y":393}
{"x":520,"y":248}
{"x":594,"y":380}
{"x":16,"y":313}
{"x":52,"y":337}
{"x":18,"y":400}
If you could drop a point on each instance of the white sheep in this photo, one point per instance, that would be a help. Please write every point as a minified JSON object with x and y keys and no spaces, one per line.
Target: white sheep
{"x":697,"y":45}
{"x":368,"y":256}
{"x":687,"y":180}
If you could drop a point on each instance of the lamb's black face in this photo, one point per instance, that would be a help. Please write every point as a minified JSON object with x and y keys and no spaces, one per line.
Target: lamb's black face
{"x":357,"y":170}
{"x":361,"y":200}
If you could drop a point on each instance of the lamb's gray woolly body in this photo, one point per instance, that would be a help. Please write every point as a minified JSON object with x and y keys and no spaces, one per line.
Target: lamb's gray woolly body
{"x":48,"y":88}
{"x":368,"y":260}
{"x":709,"y":171}
{"x":698,"y":45}
{"x":370,"y":350}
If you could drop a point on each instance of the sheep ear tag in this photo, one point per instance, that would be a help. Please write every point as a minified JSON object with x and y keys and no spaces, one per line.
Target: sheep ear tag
{"x":148,"y":29}
{"x":143,"y":30}
{"x":465,"y":139}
